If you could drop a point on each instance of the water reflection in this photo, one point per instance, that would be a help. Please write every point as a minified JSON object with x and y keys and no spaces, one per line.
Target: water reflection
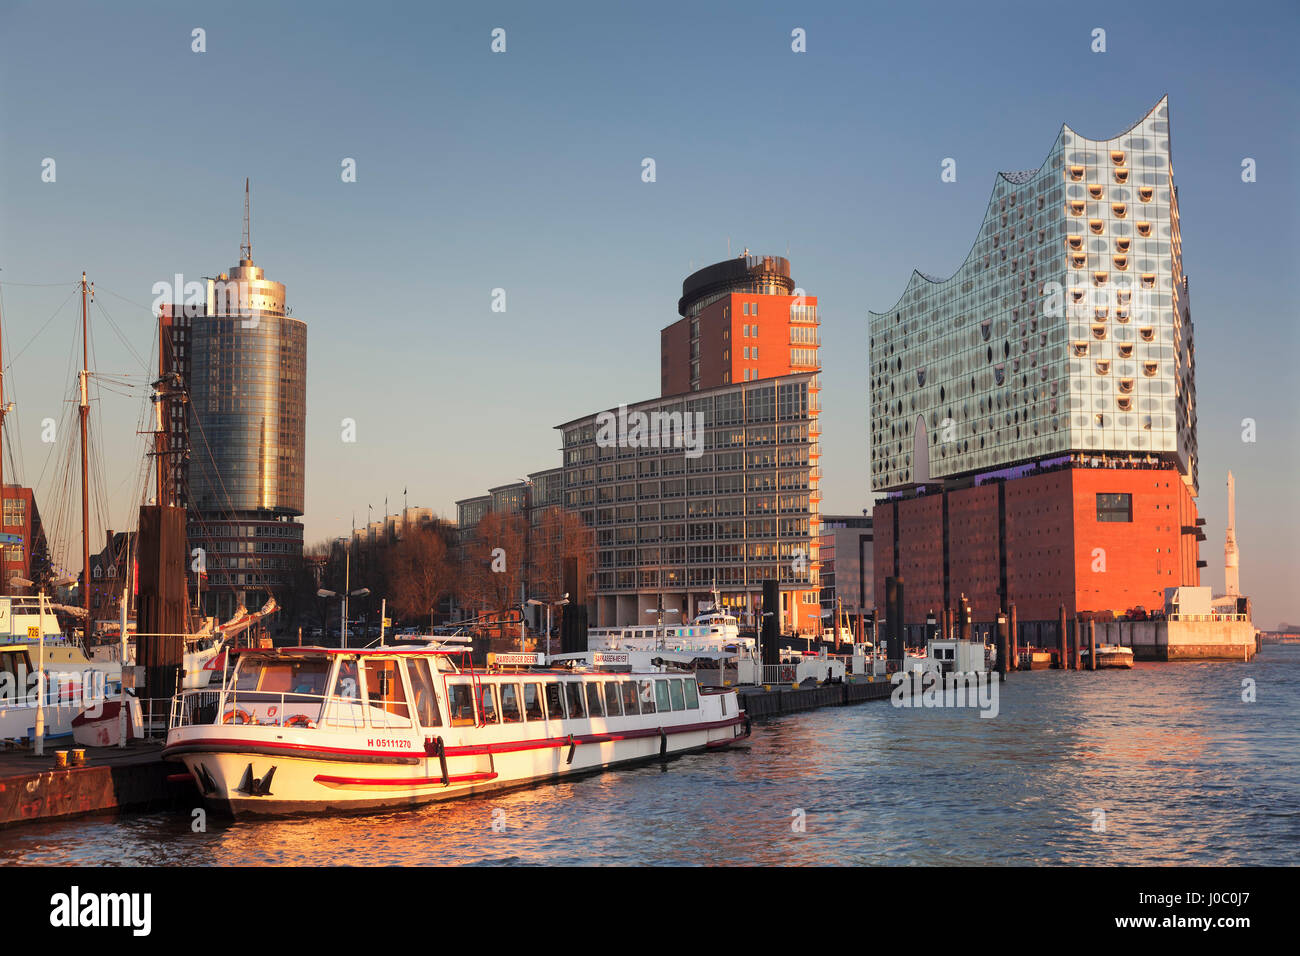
{"x":1183,"y":769}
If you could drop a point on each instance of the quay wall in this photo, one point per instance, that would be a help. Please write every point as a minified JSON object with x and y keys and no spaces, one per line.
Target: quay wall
{"x":1182,"y":640}
{"x":29,"y":794}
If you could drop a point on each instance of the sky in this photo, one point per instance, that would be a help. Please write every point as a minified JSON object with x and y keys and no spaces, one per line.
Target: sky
{"x":522,"y":170}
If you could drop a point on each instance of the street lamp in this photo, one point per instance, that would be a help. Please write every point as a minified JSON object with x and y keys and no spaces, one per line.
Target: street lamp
{"x":661,"y":611}
{"x":549,"y":604}
{"x":343,"y":609}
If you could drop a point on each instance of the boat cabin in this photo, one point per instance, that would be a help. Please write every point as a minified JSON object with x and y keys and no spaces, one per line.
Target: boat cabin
{"x":402,"y":688}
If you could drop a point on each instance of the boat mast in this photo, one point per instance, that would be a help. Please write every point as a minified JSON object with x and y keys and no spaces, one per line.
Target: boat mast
{"x":85,"y":470}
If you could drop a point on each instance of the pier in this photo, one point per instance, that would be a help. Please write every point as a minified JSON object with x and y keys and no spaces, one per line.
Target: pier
{"x":763,"y":702}
{"x":133,"y":778}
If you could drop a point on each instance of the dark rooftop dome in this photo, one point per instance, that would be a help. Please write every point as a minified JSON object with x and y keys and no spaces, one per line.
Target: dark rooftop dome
{"x":767,"y":275}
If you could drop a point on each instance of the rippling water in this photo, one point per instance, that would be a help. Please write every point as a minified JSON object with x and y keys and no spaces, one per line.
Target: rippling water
{"x":1185,"y":771}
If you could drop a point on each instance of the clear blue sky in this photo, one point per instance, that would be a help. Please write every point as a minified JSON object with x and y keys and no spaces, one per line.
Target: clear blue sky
{"x":522,"y":171}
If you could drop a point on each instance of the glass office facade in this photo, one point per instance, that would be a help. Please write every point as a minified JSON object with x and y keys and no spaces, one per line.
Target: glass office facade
{"x":1067,"y":329}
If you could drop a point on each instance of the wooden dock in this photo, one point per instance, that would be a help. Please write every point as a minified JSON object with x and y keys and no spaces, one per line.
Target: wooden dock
{"x":136,"y":777}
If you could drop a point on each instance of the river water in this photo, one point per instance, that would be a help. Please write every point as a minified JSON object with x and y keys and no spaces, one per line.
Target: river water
{"x":1163,"y":764}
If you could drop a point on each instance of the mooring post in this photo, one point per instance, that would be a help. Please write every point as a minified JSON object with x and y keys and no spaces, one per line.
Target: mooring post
{"x":1015,"y":641}
{"x":1078,"y":644}
{"x":1092,"y":645}
{"x":1003,"y":646}
{"x":1060,"y":637}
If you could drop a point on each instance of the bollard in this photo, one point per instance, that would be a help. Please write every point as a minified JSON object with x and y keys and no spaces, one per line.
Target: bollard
{"x":60,"y":760}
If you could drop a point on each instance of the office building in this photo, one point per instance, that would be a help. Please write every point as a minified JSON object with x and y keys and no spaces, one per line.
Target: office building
{"x":243,"y":357}
{"x":743,"y":319}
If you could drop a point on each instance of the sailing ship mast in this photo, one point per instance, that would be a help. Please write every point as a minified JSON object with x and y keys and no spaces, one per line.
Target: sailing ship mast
{"x":85,"y":468}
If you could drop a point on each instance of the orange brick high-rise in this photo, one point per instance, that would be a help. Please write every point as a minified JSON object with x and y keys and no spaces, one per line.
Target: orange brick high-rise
{"x":742,"y":319}
{"x":1033,"y":416}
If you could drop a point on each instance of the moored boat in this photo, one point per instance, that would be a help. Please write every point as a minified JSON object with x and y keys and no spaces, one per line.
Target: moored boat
{"x":314,"y":729}
{"x":1110,"y":656}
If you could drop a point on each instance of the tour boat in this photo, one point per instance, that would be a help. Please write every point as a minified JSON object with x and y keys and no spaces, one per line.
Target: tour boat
{"x":713,"y":630}
{"x":312,"y":729}
{"x":1111,"y":656}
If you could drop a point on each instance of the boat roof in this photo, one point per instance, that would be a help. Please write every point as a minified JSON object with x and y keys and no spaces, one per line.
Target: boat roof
{"x":387,"y":650}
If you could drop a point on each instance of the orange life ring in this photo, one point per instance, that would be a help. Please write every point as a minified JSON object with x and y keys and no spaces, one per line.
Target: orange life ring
{"x":237,"y":716}
{"x":300,"y":720}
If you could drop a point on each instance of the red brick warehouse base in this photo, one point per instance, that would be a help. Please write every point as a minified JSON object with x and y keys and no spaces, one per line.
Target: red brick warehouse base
{"x":1093,"y":539}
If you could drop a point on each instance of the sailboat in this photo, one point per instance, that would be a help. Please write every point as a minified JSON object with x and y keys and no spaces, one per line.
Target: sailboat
{"x":46,"y":677}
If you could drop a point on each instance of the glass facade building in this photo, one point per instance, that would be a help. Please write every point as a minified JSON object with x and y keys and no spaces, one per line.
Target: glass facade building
{"x":1067,"y":329}
{"x":248,"y":388}
{"x":1033,"y":416}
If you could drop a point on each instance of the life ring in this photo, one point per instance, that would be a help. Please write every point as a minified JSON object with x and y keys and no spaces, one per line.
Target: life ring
{"x":300,"y":720}
{"x":237,"y":716}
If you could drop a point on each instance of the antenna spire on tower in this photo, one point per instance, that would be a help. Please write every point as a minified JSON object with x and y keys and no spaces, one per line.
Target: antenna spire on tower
{"x":246,"y":250}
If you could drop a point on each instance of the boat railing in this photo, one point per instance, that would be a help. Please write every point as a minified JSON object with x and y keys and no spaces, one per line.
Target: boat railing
{"x":284,"y":709}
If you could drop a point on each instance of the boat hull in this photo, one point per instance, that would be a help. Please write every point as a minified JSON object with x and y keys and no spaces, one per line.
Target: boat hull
{"x":297,"y":775}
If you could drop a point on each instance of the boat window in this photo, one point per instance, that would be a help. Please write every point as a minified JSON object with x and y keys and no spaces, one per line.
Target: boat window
{"x":533,"y":702}
{"x":679,"y":698}
{"x":627,"y":689}
{"x":422,"y":689}
{"x":613,"y":703}
{"x":15,"y":663}
{"x":347,"y":685}
{"x":594,"y":708}
{"x":510,"y":704}
{"x":554,"y":701}
{"x":283,"y":676}
{"x":488,"y":704}
{"x":647,"y":695}
{"x":387,"y":695}
{"x":461,"y":703}
{"x":573,"y":696}
{"x":692,"y":695}
{"x":663,"y":699}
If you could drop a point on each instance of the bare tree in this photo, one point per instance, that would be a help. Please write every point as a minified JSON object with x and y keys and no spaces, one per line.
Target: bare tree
{"x":558,"y":535}
{"x":493,"y":565}
{"x":419,"y":572}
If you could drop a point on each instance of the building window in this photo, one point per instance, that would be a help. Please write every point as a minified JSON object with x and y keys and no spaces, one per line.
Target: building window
{"x":15,"y":511}
{"x":1117,"y":507}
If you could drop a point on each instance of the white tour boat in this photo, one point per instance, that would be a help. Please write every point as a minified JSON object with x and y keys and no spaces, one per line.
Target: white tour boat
{"x":309,"y":729}
{"x":714,"y":630}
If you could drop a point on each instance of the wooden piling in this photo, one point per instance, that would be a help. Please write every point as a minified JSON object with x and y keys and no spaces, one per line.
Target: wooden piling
{"x":1092,"y":645}
{"x":1003,"y":645}
{"x":1014,"y":640}
{"x":1060,"y":637}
